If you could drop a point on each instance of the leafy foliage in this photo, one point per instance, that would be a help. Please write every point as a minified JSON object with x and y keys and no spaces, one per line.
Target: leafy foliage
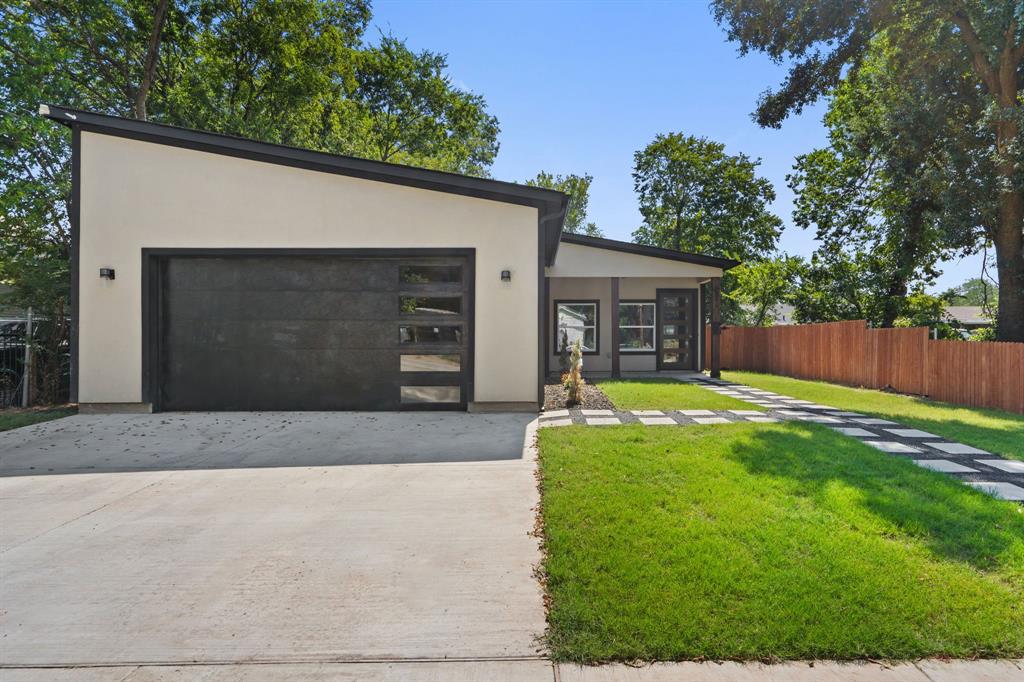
{"x":975,"y":291}
{"x":761,"y":286}
{"x":694,"y":197}
{"x":961,"y":65}
{"x":578,"y":189}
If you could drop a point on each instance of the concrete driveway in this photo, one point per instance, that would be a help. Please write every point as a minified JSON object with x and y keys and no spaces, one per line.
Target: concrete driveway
{"x":272,"y":537}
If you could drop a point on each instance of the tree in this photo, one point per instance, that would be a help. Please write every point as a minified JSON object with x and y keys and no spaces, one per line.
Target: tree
{"x":761,"y":286}
{"x":974,"y":291}
{"x":578,"y":189}
{"x":891,"y":182}
{"x":695,"y":197}
{"x":925,"y":310}
{"x":828,"y":41}
{"x":835,"y":286}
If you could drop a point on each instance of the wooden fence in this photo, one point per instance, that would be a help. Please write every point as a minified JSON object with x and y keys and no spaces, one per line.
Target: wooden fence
{"x":980,"y":374}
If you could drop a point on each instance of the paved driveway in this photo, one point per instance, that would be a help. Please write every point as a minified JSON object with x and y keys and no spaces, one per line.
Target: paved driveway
{"x":285,"y":537}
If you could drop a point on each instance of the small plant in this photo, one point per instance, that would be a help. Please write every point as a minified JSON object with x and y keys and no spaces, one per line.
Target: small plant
{"x":563,"y":352}
{"x":573,"y":379}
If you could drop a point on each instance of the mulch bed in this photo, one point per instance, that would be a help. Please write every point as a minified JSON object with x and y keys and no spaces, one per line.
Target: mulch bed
{"x":593,"y":397}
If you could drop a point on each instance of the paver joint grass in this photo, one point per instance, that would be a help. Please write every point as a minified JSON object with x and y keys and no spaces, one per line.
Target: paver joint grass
{"x":995,"y":431}
{"x":666,"y":394}
{"x":780,"y":541}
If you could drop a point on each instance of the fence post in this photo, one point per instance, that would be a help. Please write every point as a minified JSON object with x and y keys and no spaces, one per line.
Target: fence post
{"x":26,"y":377}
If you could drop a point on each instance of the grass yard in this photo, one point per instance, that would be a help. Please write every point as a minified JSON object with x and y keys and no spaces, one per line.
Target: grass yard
{"x":14,"y":418}
{"x":992,"y":430}
{"x":769,"y":541}
{"x":666,"y":394}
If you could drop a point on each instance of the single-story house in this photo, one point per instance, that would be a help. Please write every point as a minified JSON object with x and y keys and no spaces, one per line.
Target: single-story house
{"x":212,"y":272}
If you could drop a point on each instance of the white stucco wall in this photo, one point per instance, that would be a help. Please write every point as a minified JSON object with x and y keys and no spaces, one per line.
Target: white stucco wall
{"x":576,"y":260}
{"x":137,"y":195}
{"x":599,"y":288}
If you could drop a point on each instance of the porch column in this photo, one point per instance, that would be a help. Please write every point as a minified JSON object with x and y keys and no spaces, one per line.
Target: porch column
{"x":716,"y":326}
{"x":615,"y":327}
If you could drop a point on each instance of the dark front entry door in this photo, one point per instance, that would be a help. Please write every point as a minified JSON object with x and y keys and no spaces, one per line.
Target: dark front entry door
{"x":677,"y":329}
{"x":312,"y":332}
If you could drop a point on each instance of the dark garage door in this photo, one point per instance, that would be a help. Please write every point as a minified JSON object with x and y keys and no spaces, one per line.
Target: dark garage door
{"x":312,"y":332}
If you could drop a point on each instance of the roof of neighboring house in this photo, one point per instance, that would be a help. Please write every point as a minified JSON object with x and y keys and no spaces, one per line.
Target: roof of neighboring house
{"x":968,"y":314}
{"x":651,"y":251}
{"x":550,"y":204}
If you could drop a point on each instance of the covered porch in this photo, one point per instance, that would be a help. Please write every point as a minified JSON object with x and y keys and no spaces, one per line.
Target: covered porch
{"x":635,"y":310}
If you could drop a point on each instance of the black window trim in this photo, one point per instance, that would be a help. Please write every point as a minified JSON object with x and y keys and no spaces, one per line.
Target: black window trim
{"x":597,"y":321}
{"x":654,"y":327}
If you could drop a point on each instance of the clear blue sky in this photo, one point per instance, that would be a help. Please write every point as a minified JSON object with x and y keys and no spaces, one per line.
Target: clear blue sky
{"x":578,"y":87}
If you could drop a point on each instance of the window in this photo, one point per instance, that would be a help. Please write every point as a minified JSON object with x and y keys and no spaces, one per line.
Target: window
{"x":430,"y":394}
{"x":429,"y":334}
{"x":430,"y":274}
{"x":431,"y":363}
{"x":578,"y":321}
{"x":636,"y":327}
{"x":430,"y":305}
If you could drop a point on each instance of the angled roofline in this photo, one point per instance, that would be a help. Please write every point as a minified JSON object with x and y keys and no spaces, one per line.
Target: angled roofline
{"x":650,"y":251}
{"x":550,"y":204}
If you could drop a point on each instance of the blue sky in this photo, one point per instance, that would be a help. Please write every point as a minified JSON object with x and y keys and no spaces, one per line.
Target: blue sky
{"x":578,"y":87}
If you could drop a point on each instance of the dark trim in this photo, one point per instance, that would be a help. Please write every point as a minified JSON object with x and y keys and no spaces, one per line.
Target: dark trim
{"x":701,"y":292}
{"x":635,"y":353}
{"x":546,"y":332}
{"x":152,"y":287}
{"x":716,"y":327}
{"x":658,"y":323}
{"x":650,"y":251}
{"x":75,"y":218}
{"x":616,"y":369}
{"x":550,"y":204}
{"x":597,"y":322}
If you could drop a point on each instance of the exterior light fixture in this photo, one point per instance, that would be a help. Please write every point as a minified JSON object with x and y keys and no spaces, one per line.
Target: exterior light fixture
{"x":506,"y":275}
{"x":106,"y":273}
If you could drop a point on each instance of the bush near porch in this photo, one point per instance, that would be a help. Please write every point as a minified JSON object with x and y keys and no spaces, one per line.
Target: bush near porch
{"x":768,"y":542}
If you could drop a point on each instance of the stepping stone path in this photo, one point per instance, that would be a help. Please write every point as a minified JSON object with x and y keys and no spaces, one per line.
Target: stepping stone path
{"x":977,"y":468}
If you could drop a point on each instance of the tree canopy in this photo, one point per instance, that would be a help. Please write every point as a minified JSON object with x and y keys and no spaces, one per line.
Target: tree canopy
{"x":828,"y":43}
{"x":578,"y":189}
{"x":695,"y":197}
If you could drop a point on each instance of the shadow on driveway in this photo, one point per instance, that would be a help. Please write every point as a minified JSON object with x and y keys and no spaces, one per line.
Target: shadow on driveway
{"x":239,"y":440}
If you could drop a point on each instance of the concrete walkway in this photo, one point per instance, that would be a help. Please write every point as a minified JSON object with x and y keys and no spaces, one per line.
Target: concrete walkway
{"x":163,"y":540}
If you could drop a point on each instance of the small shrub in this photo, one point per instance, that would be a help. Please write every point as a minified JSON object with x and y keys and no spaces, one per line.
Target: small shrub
{"x":573,"y":380}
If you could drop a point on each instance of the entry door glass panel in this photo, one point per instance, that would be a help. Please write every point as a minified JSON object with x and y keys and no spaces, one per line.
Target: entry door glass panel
{"x":677,"y":343}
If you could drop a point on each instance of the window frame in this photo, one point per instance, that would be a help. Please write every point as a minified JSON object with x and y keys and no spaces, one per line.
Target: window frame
{"x":653,"y":327}
{"x":597,"y":321}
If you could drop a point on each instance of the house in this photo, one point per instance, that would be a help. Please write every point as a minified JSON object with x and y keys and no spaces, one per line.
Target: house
{"x":212,"y":272}
{"x":969,"y":317}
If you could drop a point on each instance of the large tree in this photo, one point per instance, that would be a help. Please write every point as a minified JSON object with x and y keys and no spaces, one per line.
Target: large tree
{"x":893,"y":181}
{"x":578,"y":189}
{"x":695,"y":197}
{"x":826,"y":42}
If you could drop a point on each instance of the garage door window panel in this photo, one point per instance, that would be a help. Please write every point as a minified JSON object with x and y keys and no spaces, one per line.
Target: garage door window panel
{"x":431,"y":363}
{"x":430,"y":305}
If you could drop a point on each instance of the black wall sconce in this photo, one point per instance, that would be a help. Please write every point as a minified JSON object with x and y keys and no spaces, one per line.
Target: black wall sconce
{"x":106,"y":273}
{"x":506,"y":275}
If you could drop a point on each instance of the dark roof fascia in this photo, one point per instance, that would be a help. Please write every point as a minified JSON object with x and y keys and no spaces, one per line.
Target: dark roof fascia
{"x":550,"y":204}
{"x":650,"y":251}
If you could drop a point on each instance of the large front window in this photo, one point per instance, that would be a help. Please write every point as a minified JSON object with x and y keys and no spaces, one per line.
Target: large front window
{"x":636,"y":327}
{"x":576,"y":321}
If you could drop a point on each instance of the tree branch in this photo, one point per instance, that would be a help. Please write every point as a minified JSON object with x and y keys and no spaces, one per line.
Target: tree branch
{"x":149,"y":64}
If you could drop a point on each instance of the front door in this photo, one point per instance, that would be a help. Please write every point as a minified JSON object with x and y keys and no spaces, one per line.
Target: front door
{"x":677,"y":329}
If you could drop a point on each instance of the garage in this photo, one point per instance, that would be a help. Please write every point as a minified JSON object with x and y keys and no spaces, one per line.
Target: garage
{"x":308,"y":329}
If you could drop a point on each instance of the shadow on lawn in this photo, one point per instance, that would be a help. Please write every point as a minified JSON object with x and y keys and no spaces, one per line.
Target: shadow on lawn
{"x":954,"y":521}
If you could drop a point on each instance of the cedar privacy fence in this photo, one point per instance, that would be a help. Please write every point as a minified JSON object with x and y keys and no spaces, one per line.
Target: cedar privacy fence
{"x":975,"y":373}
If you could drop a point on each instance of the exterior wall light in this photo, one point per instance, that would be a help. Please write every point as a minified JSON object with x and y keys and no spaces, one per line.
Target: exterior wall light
{"x":506,"y":275}
{"x":106,"y":273}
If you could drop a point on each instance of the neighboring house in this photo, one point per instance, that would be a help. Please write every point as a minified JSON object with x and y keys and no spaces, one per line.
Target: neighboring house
{"x":217,"y":273}
{"x":969,"y":317}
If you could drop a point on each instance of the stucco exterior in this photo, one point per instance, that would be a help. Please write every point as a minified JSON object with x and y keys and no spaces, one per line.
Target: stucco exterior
{"x":137,"y":194}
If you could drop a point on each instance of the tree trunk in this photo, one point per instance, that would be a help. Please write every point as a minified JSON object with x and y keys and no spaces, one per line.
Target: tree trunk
{"x":150,"y":62}
{"x":906,"y":263}
{"x":1009,"y":243}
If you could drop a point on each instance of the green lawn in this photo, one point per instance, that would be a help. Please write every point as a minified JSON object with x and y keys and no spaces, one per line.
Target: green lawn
{"x":769,"y":541}
{"x":666,"y":394}
{"x":14,"y":418}
{"x":991,"y":430}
